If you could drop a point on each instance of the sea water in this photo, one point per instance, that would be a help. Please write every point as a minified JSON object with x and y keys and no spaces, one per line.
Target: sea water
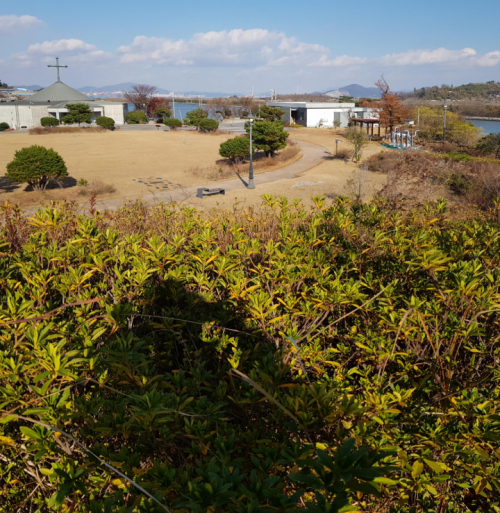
{"x":488,"y":127}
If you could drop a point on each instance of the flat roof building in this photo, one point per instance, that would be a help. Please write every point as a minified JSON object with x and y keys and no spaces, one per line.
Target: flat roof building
{"x":321,"y":114}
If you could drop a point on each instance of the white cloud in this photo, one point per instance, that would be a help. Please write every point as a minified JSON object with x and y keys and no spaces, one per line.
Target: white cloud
{"x":71,"y":50}
{"x":60,"y":46}
{"x":254,"y":47}
{"x":341,"y":61}
{"x":419,"y":57}
{"x":467,"y":57}
{"x":490,"y":59}
{"x":235,"y":55}
{"x":12,"y":24}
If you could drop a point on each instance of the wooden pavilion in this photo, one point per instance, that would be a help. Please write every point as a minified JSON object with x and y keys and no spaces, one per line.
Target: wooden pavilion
{"x":369,"y":123}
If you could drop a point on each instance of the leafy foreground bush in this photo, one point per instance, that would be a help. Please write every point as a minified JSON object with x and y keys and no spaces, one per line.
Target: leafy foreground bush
{"x":208,"y":125}
{"x":166,"y":343}
{"x":136,"y":117}
{"x":235,"y":149}
{"x":105,"y":122}
{"x":49,"y":121}
{"x":37,"y":166}
{"x":173,"y":123}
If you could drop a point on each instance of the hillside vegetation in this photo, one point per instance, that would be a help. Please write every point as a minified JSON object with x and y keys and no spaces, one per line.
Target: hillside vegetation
{"x":474,"y":91}
{"x":268,"y":360}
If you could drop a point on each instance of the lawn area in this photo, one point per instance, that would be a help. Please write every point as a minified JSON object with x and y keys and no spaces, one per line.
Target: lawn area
{"x":131,"y":164}
{"x":118,"y":159}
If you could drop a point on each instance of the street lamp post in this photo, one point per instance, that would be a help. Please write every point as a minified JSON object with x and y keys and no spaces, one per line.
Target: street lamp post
{"x":445,"y":107}
{"x":251,"y":185}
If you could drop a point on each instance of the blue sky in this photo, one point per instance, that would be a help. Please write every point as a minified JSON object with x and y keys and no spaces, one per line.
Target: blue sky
{"x":231,"y":46}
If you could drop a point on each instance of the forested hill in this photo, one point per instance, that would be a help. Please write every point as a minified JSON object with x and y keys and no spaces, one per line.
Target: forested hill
{"x":484,"y":91}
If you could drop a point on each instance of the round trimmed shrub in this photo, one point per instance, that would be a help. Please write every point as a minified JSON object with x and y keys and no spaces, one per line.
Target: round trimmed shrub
{"x":172,"y":123}
{"x":49,"y":121}
{"x":208,"y":125}
{"x":136,"y":117}
{"x":105,"y":122}
{"x":36,"y":165}
{"x":235,"y":149}
{"x":4,"y":126}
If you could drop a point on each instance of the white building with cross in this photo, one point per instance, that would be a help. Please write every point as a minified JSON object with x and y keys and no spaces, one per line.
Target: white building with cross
{"x":52,"y":102}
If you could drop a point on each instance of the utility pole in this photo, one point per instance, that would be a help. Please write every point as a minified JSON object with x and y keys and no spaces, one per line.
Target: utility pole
{"x":173,"y":102}
{"x":445,"y":106}
{"x":251,"y":185}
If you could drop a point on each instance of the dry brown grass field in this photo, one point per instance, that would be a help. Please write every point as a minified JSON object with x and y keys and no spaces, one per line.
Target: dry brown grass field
{"x":128,"y":164}
{"x":116,"y":159}
{"x":333,"y":177}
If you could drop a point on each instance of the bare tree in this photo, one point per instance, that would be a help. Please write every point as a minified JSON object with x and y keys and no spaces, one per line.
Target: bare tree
{"x":140,"y":96}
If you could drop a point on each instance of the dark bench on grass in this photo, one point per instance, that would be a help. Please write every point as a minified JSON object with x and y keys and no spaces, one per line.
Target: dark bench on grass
{"x":209,"y":192}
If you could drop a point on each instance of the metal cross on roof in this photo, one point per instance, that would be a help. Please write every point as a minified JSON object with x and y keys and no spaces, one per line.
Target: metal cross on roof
{"x":56,"y":65}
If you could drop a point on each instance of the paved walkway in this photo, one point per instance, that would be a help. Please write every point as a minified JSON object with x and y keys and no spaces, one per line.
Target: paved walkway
{"x":312,"y":155}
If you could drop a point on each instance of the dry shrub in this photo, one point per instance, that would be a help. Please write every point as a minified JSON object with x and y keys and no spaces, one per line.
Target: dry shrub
{"x":67,"y":130}
{"x":478,"y":183}
{"x":224,"y":169}
{"x":97,"y":188}
{"x":215,"y":132}
{"x":417,"y":176}
{"x":384,"y":162}
{"x":412,"y":176}
{"x":212,"y":173}
{"x":343,"y":153}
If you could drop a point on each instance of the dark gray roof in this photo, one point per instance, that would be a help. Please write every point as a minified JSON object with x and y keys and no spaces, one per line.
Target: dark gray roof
{"x":59,"y":92}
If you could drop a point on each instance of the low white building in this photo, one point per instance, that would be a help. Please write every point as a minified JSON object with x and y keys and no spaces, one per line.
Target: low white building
{"x":320,"y":114}
{"x":51,"y":102}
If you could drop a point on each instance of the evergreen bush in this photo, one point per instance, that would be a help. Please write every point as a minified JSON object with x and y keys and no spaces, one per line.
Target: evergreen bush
{"x":194,"y":117}
{"x":269,"y":136}
{"x":208,"y":125}
{"x":136,"y":117}
{"x":49,"y":121}
{"x":36,"y":165}
{"x":105,"y":122}
{"x":162,"y":112}
{"x":4,"y":126}
{"x":172,"y":123}
{"x":235,"y":149}
{"x":78,"y":113}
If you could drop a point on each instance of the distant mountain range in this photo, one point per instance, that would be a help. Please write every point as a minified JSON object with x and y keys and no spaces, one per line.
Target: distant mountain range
{"x":29,"y":87}
{"x":354,"y":90}
{"x":126,"y":86}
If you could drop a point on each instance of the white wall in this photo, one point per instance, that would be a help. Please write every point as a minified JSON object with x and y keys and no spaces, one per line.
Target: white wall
{"x":18,"y":116}
{"x":314,"y":117}
{"x":116,"y":112}
{"x":7,"y":114}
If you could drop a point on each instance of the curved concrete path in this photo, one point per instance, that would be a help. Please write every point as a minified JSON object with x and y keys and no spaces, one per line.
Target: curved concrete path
{"x":312,"y":155}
